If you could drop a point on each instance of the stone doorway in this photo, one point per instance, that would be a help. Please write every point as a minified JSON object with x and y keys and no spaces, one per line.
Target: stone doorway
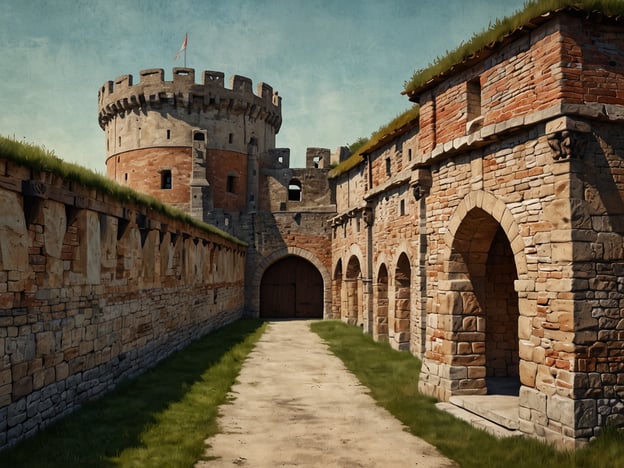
{"x":380,"y":330}
{"x":487,"y":336}
{"x":354,"y":293}
{"x":501,"y":319}
{"x":402,"y":303}
{"x":291,"y":288}
{"x":483,"y":270}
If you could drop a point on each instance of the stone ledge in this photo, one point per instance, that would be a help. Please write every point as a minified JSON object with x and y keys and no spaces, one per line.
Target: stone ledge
{"x":477,"y":421}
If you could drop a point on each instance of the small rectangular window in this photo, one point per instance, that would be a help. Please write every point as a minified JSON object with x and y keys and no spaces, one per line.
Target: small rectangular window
{"x":230,"y":184}
{"x":473,"y":98}
{"x":168,"y":134}
{"x":165,"y":179}
{"x":231,"y":138}
{"x":120,"y":141}
{"x":402,"y":208}
{"x":409,"y":154}
{"x":388,"y":167}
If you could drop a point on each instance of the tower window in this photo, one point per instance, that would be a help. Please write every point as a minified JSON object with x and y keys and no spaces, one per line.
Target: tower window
{"x":402,"y":207}
{"x":165,"y":179}
{"x":168,"y":134}
{"x":294,"y":190}
{"x":229,"y":187}
{"x":409,"y":154}
{"x":473,"y":99}
{"x":119,"y":141}
{"x":198,"y":136}
{"x":388,"y":167}
{"x":231,"y":138}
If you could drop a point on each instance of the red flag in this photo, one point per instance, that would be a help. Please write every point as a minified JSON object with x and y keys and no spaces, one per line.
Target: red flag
{"x":182,"y":48}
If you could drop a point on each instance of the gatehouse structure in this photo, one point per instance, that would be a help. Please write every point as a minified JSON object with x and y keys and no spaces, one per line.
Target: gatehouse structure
{"x":209,"y":150}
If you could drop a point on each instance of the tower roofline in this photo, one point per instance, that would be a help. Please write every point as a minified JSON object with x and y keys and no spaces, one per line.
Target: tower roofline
{"x":152,"y":91}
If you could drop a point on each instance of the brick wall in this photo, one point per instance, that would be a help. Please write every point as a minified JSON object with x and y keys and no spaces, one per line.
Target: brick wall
{"x":142,"y":169}
{"x":93,"y":291}
{"x":511,"y":219}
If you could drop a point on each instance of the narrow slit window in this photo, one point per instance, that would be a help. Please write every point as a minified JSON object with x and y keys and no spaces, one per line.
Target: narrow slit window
{"x":165,"y":179}
{"x":230,"y":184}
{"x":473,"y":99}
{"x":388,"y":167}
{"x":168,"y":134}
{"x":231,"y":138}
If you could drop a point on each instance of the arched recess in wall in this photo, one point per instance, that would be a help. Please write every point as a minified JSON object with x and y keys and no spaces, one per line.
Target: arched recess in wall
{"x":485,"y":258}
{"x":254,"y":289}
{"x":292,"y":287}
{"x":380,"y":314}
{"x":354,"y":292}
{"x":336,"y":305}
{"x":402,"y":302}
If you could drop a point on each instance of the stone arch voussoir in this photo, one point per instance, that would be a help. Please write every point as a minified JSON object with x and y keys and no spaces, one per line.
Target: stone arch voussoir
{"x":498,"y":210}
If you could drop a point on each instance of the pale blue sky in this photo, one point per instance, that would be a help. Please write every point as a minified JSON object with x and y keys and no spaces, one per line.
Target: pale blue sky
{"x":339,"y":65}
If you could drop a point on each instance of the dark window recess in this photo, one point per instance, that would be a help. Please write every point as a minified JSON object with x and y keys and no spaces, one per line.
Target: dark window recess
{"x":388,"y":167}
{"x":229,"y":187}
{"x":294,"y":190}
{"x":198,"y":136}
{"x":231,"y":138}
{"x":473,"y":99}
{"x":409,"y":154}
{"x":165,"y":179}
{"x":402,"y":207}
{"x":168,"y":134}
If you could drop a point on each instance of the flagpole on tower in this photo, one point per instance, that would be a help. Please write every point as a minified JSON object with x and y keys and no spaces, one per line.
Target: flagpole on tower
{"x":182,"y":49}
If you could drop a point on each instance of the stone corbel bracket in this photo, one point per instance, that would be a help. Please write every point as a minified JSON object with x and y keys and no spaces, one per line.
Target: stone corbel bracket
{"x":567,"y":138}
{"x":368,"y":215}
{"x":420,"y":182}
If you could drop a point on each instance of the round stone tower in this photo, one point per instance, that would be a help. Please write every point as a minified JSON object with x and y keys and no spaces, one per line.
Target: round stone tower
{"x":192,"y":145}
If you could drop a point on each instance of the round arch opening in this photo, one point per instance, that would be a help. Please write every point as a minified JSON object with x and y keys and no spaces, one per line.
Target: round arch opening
{"x":291,"y":288}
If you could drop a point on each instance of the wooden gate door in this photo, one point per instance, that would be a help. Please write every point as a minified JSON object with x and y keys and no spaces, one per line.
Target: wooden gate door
{"x":291,"y":288}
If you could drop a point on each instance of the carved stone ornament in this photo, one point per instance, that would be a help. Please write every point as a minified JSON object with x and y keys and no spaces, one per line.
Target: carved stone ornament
{"x":567,"y":144}
{"x":368,"y":216}
{"x":419,"y":191}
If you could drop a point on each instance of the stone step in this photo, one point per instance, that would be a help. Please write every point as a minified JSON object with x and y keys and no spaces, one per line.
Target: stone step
{"x":477,"y":421}
{"x":500,"y":409}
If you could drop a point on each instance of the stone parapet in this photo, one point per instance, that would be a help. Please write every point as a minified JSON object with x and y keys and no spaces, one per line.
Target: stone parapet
{"x":94,"y":290}
{"x":121,"y":95}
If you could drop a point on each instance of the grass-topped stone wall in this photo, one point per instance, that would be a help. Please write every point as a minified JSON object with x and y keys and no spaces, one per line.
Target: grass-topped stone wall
{"x":97,"y":284}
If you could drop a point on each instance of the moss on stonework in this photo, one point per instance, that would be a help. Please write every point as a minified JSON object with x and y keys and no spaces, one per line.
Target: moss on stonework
{"x":500,"y":29}
{"x":39,"y":159}
{"x":381,"y":136}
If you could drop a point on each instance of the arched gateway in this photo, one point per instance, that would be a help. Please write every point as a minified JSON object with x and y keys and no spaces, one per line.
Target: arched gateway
{"x":291,"y":288}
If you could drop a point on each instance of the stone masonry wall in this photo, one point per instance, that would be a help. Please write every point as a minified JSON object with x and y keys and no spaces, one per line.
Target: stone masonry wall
{"x":510,"y":216}
{"x":93,"y":291}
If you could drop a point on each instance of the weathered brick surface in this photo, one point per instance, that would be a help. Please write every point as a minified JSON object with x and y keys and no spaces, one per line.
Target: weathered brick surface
{"x":511,"y":219}
{"x":93,"y":291}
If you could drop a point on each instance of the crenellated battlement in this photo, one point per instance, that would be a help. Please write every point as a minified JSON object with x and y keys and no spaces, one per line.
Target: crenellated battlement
{"x":152,"y":91}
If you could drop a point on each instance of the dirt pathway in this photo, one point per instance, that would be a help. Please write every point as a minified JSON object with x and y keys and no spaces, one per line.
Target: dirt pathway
{"x":297,"y":405}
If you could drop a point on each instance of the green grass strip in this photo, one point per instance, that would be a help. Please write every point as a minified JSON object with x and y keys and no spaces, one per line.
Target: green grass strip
{"x":159,"y":419}
{"x":392,"y":378}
